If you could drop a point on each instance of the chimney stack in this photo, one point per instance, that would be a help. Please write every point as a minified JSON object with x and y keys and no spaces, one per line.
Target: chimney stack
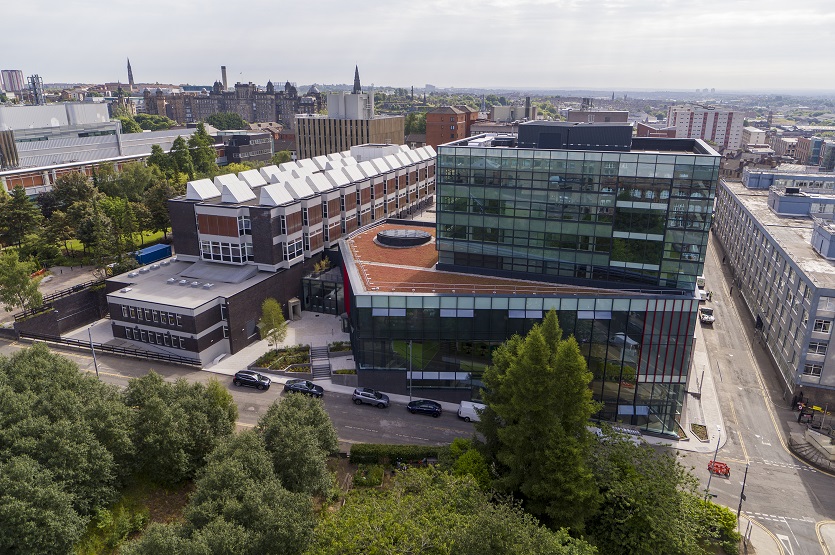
{"x":223,"y":78}
{"x":527,"y":107}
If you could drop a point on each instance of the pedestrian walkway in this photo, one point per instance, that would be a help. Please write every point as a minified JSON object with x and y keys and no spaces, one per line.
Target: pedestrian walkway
{"x":701,"y":405}
{"x":757,"y":538}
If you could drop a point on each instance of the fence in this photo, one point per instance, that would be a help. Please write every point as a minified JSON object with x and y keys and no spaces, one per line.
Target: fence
{"x":48,"y":299}
{"x":113,"y":349}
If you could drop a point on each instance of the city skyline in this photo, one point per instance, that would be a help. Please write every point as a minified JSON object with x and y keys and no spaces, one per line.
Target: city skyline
{"x":535,"y":44}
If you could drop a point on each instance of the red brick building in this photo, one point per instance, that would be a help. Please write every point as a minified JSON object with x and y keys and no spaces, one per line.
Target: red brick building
{"x":446,"y":124}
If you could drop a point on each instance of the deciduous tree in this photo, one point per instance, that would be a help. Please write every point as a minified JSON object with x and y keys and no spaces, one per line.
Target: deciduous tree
{"x":299,"y":436}
{"x":226,"y":120}
{"x":272,"y":324}
{"x":181,"y":157}
{"x":17,"y":287}
{"x":19,"y":217}
{"x":203,"y":152}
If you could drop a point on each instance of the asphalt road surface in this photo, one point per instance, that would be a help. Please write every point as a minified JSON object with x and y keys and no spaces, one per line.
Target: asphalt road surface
{"x":354,"y":424}
{"x":785,"y":495}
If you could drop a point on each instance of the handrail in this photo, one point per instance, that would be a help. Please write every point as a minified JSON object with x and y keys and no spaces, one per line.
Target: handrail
{"x":47,"y":299}
{"x":124,"y":351}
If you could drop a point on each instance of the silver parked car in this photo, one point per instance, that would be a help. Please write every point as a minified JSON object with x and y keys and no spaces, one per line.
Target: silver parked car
{"x":370,"y":397}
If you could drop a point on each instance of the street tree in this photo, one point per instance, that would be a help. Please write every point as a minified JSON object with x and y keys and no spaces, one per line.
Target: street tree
{"x":19,"y":217}
{"x":17,"y":287}
{"x":129,"y":124}
{"x":203,"y":152}
{"x":538,"y":404}
{"x":272,"y":324}
{"x":429,"y":511}
{"x":300,"y":436}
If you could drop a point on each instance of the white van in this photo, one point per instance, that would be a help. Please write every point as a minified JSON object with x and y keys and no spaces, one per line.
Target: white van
{"x":470,"y":412}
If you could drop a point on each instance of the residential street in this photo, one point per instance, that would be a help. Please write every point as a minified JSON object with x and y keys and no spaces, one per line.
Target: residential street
{"x":785,"y":495}
{"x":354,"y":424}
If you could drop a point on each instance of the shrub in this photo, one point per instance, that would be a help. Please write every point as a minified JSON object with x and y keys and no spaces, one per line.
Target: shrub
{"x":345,"y":371}
{"x":369,"y":475}
{"x":380,"y":453}
{"x":340,"y":346}
{"x":284,"y":357}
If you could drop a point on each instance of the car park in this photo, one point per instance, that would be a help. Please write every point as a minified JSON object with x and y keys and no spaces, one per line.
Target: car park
{"x":368,"y":396}
{"x":298,"y":385}
{"x":425,"y":406}
{"x":251,"y":378}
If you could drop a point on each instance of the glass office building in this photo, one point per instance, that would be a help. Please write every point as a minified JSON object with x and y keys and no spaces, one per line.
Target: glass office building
{"x":611,"y":238}
{"x":636,"y":219}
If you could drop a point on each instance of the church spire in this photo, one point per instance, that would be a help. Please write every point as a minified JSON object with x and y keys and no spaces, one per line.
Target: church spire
{"x":357,"y":86}
{"x":130,"y":76}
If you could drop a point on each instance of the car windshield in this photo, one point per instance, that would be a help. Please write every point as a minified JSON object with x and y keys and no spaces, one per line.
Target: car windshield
{"x":376,"y":394}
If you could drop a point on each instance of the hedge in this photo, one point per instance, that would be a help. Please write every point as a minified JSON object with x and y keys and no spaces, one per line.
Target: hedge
{"x":380,"y":453}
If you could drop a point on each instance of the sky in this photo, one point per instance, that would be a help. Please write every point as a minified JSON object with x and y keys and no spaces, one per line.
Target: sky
{"x":525,"y":44}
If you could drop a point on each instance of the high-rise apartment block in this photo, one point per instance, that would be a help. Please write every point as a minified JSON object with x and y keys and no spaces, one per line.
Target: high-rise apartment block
{"x":709,"y":123}
{"x":13,"y":80}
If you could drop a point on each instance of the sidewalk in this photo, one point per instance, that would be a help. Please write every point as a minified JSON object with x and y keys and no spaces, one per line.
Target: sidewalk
{"x":700,"y":406}
{"x":760,"y":540}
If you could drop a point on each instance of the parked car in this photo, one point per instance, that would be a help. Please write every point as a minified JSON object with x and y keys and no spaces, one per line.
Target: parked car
{"x":251,"y":378}
{"x":370,"y":397}
{"x":470,"y":411}
{"x":424,"y":406}
{"x":298,"y":385}
{"x":706,"y":316}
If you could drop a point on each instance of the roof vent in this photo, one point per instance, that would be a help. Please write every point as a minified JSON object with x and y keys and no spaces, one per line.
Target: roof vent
{"x":792,"y":190}
{"x":173,"y":259}
{"x":170,"y":281}
{"x":165,"y":263}
{"x":133,"y":274}
{"x":155,"y":266}
{"x":143,"y":270}
{"x":125,"y":290}
{"x":208,"y":285}
{"x":183,"y":282}
{"x":195,"y":284}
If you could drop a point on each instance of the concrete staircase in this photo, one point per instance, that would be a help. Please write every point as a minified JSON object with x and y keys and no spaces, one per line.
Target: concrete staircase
{"x":320,"y":363}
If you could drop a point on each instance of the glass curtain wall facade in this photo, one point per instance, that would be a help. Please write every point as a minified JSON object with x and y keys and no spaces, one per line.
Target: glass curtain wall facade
{"x":634,"y":218}
{"x":638,"y":349}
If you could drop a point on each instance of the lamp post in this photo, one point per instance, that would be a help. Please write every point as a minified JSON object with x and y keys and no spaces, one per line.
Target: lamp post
{"x":742,"y":493}
{"x":410,"y":370}
{"x":716,"y":452}
{"x":95,"y":362}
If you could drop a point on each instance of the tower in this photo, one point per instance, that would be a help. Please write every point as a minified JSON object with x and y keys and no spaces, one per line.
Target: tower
{"x":357,"y":86}
{"x":130,"y":76}
{"x":223,"y":77}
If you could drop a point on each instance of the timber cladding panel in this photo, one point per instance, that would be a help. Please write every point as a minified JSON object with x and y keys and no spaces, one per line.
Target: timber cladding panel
{"x":225,"y":226}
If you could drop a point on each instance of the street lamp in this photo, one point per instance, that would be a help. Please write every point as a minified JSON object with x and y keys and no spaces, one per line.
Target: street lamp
{"x":410,"y":370}
{"x":715,"y":453}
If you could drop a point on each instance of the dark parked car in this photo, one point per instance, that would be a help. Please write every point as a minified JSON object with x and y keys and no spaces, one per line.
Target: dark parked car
{"x":252,"y":379}
{"x":424,"y":406}
{"x":297,"y":385}
{"x":371,"y":397}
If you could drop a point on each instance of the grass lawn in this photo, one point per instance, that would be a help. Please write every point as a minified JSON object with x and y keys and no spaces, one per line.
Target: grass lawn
{"x":76,"y":246}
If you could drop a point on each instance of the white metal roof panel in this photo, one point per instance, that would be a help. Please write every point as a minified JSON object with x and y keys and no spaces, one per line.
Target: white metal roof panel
{"x":320,"y":161}
{"x":274,"y":194}
{"x":268,"y":171}
{"x":368,"y":169}
{"x":413,"y":156}
{"x":381,"y":165}
{"x":337,"y":177}
{"x":233,"y":190}
{"x":319,"y":183}
{"x":354,"y":173}
{"x":298,"y":188}
{"x":202,"y":189}
{"x":393,"y":161}
{"x":403,"y":159}
{"x":252,"y":178}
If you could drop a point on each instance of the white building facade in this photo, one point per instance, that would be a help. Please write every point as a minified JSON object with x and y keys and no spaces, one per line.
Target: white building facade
{"x":721,"y":127}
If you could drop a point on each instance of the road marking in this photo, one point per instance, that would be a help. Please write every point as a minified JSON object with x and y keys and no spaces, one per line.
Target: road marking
{"x":245,"y":425}
{"x":413,"y":437}
{"x":780,"y":518}
{"x":739,"y":434}
{"x":786,"y":542}
{"x":818,"y":525}
{"x":767,"y":531}
{"x":363,"y":429}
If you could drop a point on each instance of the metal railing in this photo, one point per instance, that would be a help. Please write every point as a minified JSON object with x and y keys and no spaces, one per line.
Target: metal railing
{"x":48,"y":299}
{"x":113,"y":349}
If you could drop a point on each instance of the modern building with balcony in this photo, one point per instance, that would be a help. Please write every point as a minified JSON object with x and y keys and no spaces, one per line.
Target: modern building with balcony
{"x":607,"y":230}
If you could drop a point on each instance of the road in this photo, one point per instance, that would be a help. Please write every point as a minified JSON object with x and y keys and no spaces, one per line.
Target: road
{"x":354,"y":424}
{"x":783,"y":494}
